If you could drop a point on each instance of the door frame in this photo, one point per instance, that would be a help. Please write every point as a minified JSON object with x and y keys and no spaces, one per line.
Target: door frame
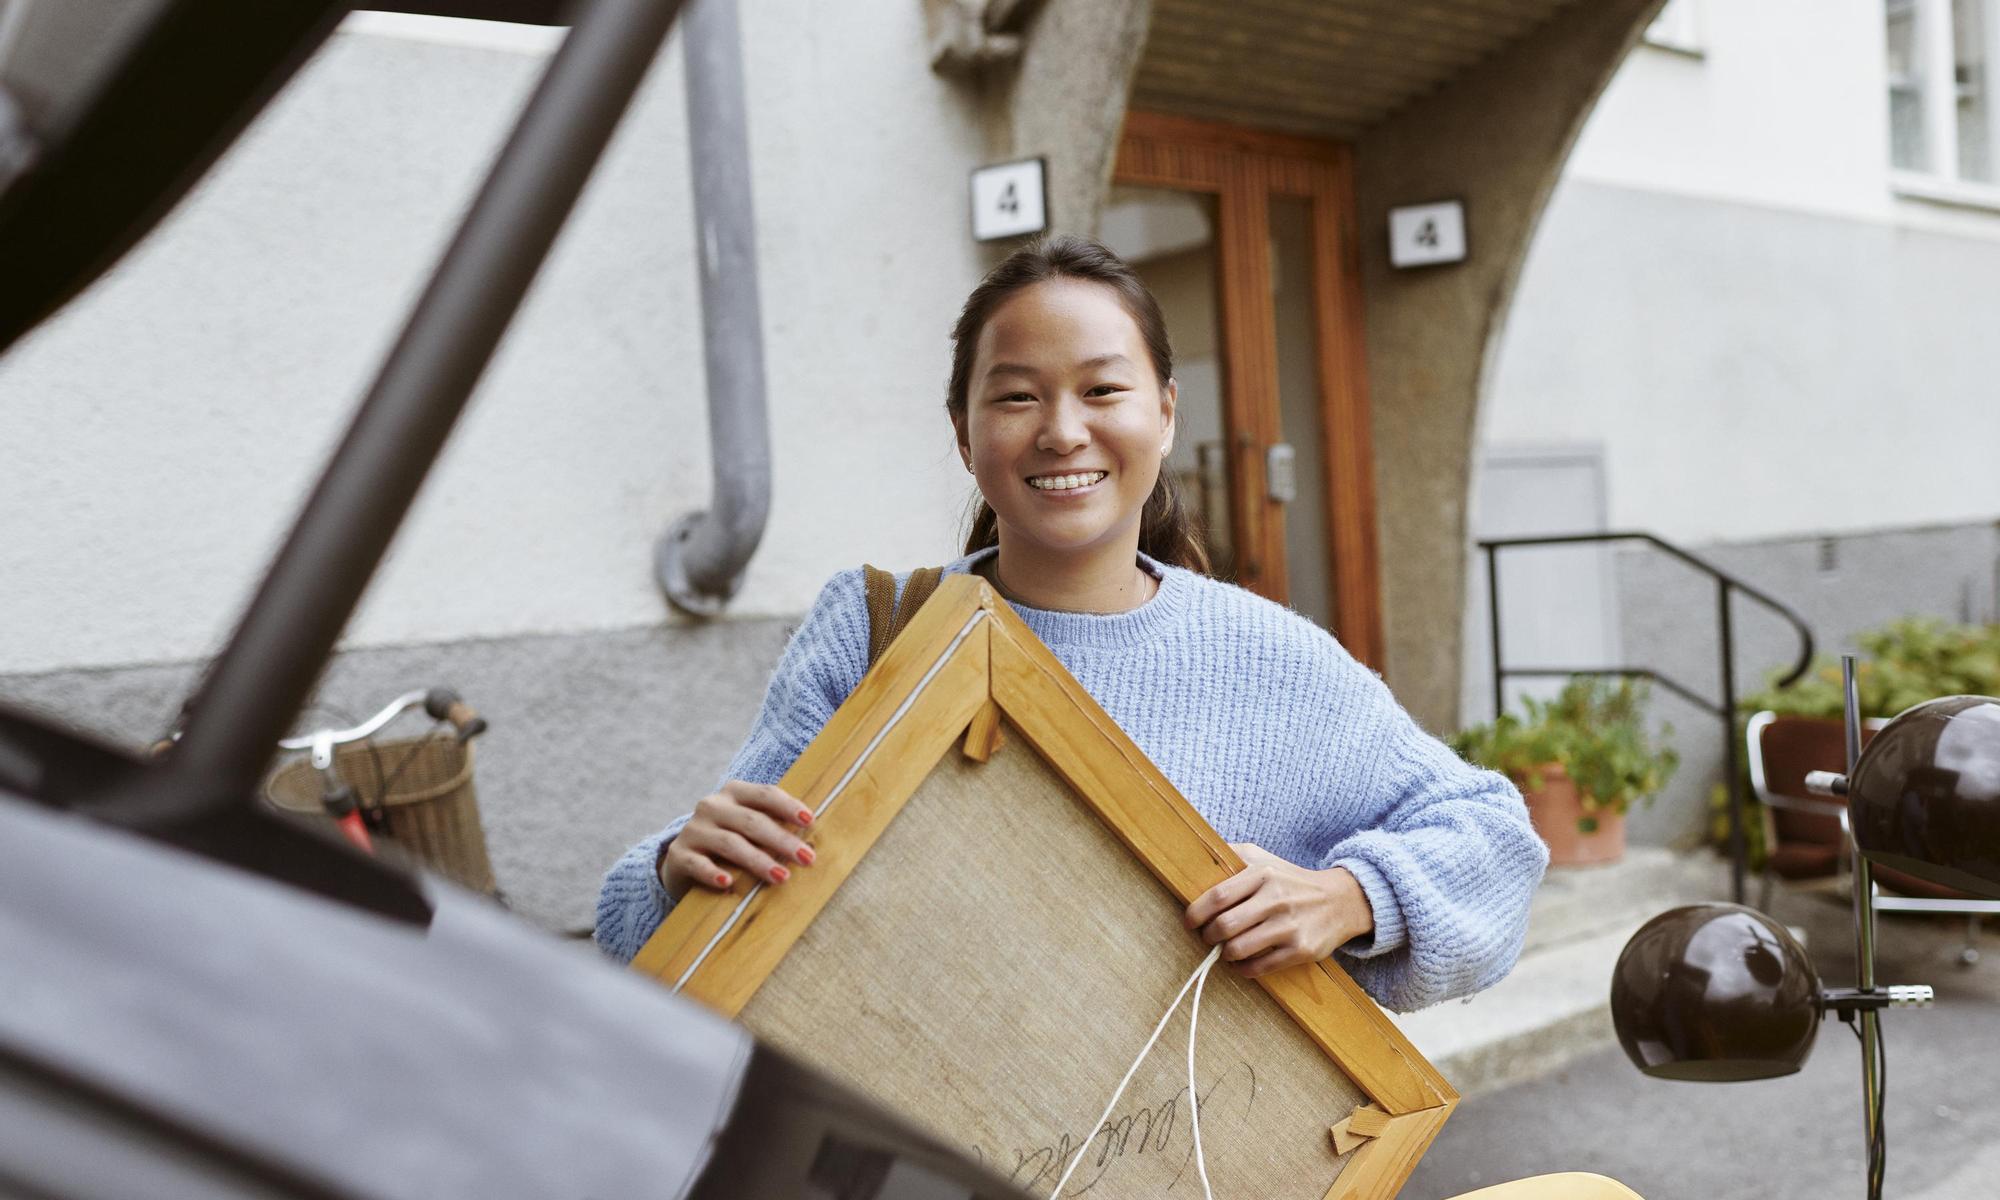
{"x":1243,"y":168}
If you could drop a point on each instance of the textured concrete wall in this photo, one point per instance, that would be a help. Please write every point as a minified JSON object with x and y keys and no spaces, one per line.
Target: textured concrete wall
{"x":1841,"y":584}
{"x":1065,"y":100}
{"x":1496,"y":138}
{"x":596,"y":741}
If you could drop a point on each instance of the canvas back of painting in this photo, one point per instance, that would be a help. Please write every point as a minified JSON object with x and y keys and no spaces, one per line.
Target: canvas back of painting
{"x":993,"y":965}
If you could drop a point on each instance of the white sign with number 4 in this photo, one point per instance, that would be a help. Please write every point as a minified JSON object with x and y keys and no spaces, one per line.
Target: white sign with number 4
{"x":1421,"y":235}
{"x":1009,"y":200}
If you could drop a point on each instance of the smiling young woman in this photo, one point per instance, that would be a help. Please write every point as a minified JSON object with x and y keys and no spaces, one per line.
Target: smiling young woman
{"x":1062,"y":373}
{"x":1365,"y":836}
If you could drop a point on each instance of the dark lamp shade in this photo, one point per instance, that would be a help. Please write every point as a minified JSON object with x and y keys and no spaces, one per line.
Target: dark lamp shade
{"x":1925,"y":797}
{"x":1715,"y":993}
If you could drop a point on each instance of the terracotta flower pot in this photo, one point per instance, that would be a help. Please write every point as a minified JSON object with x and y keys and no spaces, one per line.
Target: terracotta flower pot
{"x":1555,"y":810}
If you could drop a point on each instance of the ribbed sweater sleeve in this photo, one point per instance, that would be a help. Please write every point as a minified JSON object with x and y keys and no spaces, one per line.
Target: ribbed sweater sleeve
{"x":822,"y":662}
{"x":1449,"y":866}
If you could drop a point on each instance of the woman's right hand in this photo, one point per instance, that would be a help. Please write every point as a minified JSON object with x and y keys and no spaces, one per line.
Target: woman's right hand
{"x":746,"y":826}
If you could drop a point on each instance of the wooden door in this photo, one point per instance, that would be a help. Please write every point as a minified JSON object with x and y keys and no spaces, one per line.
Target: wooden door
{"x":1282,"y":467}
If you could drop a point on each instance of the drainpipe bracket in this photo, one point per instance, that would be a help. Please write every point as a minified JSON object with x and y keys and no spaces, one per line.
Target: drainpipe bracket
{"x":670,"y":571}
{"x":969,"y":36}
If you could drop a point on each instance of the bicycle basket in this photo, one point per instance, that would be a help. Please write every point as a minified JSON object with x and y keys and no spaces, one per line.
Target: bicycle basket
{"x":430,"y":807}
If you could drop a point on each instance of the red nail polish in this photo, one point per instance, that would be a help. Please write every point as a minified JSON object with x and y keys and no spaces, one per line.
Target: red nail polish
{"x":806,"y":855}
{"x":779,"y":874}
{"x":805,"y":818}
{"x":721,"y":880}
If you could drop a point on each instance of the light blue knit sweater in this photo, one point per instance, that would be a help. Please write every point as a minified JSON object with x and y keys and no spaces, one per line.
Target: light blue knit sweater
{"x":1267,"y":726}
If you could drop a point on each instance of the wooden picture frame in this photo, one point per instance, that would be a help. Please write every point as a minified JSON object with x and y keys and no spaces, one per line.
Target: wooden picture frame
{"x":965,"y":672}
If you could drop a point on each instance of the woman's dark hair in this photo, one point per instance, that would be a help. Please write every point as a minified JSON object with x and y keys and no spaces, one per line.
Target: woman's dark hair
{"x":1168,"y":532}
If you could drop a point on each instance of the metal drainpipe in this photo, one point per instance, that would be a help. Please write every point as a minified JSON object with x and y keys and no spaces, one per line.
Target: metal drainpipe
{"x":700,"y":560}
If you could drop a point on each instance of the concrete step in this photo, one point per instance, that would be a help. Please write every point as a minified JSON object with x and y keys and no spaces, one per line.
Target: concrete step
{"x":1575,"y":903}
{"x":1555,"y":1005}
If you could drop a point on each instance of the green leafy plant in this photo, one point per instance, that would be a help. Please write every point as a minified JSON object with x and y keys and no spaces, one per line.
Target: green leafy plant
{"x":1903,"y":663}
{"x":1594,"y":730}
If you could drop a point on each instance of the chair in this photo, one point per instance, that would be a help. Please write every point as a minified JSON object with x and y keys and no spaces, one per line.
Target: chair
{"x":1805,"y":836}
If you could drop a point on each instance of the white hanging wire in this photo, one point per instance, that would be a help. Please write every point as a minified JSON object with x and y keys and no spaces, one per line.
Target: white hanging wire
{"x":1196,"y":981}
{"x":1194,"y":1100}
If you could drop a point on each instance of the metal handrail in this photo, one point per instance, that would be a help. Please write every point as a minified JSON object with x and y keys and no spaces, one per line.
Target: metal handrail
{"x":1726,"y":586}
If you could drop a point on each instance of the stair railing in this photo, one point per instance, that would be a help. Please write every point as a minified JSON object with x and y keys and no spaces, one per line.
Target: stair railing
{"x":1726,"y":585}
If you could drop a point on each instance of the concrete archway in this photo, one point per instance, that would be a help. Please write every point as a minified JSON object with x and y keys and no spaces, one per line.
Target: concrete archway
{"x":1481,"y":105}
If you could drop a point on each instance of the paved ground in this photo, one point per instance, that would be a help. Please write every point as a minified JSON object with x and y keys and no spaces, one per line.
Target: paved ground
{"x":1796,"y":1137}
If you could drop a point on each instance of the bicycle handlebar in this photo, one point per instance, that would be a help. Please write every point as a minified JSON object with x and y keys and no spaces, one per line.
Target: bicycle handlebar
{"x":442,"y":704}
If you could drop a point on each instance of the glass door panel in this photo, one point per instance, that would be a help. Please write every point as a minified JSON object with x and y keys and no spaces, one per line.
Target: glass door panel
{"x":1296,"y":474}
{"x":1168,"y":236}
{"x":1248,"y":239}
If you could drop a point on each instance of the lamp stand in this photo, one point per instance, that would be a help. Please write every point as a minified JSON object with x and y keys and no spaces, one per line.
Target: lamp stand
{"x":1868,"y":1018}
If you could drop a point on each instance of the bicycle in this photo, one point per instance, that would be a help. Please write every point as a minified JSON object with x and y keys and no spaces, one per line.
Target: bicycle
{"x":416,"y":792}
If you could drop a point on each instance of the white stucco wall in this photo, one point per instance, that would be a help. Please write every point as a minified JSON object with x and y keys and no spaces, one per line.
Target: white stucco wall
{"x":159,"y":436}
{"x":1729,"y":297}
{"x":1784,"y":106}
{"x":1751,"y":373}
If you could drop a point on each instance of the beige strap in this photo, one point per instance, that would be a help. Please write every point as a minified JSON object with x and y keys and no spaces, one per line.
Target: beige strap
{"x":923,"y":581}
{"x":887,"y":616}
{"x":881,"y":589}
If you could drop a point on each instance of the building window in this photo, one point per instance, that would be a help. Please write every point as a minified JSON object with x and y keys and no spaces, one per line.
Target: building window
{"x":1941,"y":120}
{"x":1971,"y":51}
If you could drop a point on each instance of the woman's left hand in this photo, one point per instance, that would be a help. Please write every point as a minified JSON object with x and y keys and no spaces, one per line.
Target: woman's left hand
{"x":1274,"y":914}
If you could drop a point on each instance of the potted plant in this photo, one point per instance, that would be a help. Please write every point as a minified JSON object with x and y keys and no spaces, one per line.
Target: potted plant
{"x":1906,"y":662}
{"x":1580,"y":760}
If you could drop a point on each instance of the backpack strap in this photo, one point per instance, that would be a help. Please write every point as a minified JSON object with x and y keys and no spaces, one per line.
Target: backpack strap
{"x":881,"y":589}
{"x":886,"y":616}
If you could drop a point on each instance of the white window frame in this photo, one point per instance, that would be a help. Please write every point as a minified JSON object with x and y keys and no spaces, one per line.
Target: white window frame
{"x":1940,"y":181}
